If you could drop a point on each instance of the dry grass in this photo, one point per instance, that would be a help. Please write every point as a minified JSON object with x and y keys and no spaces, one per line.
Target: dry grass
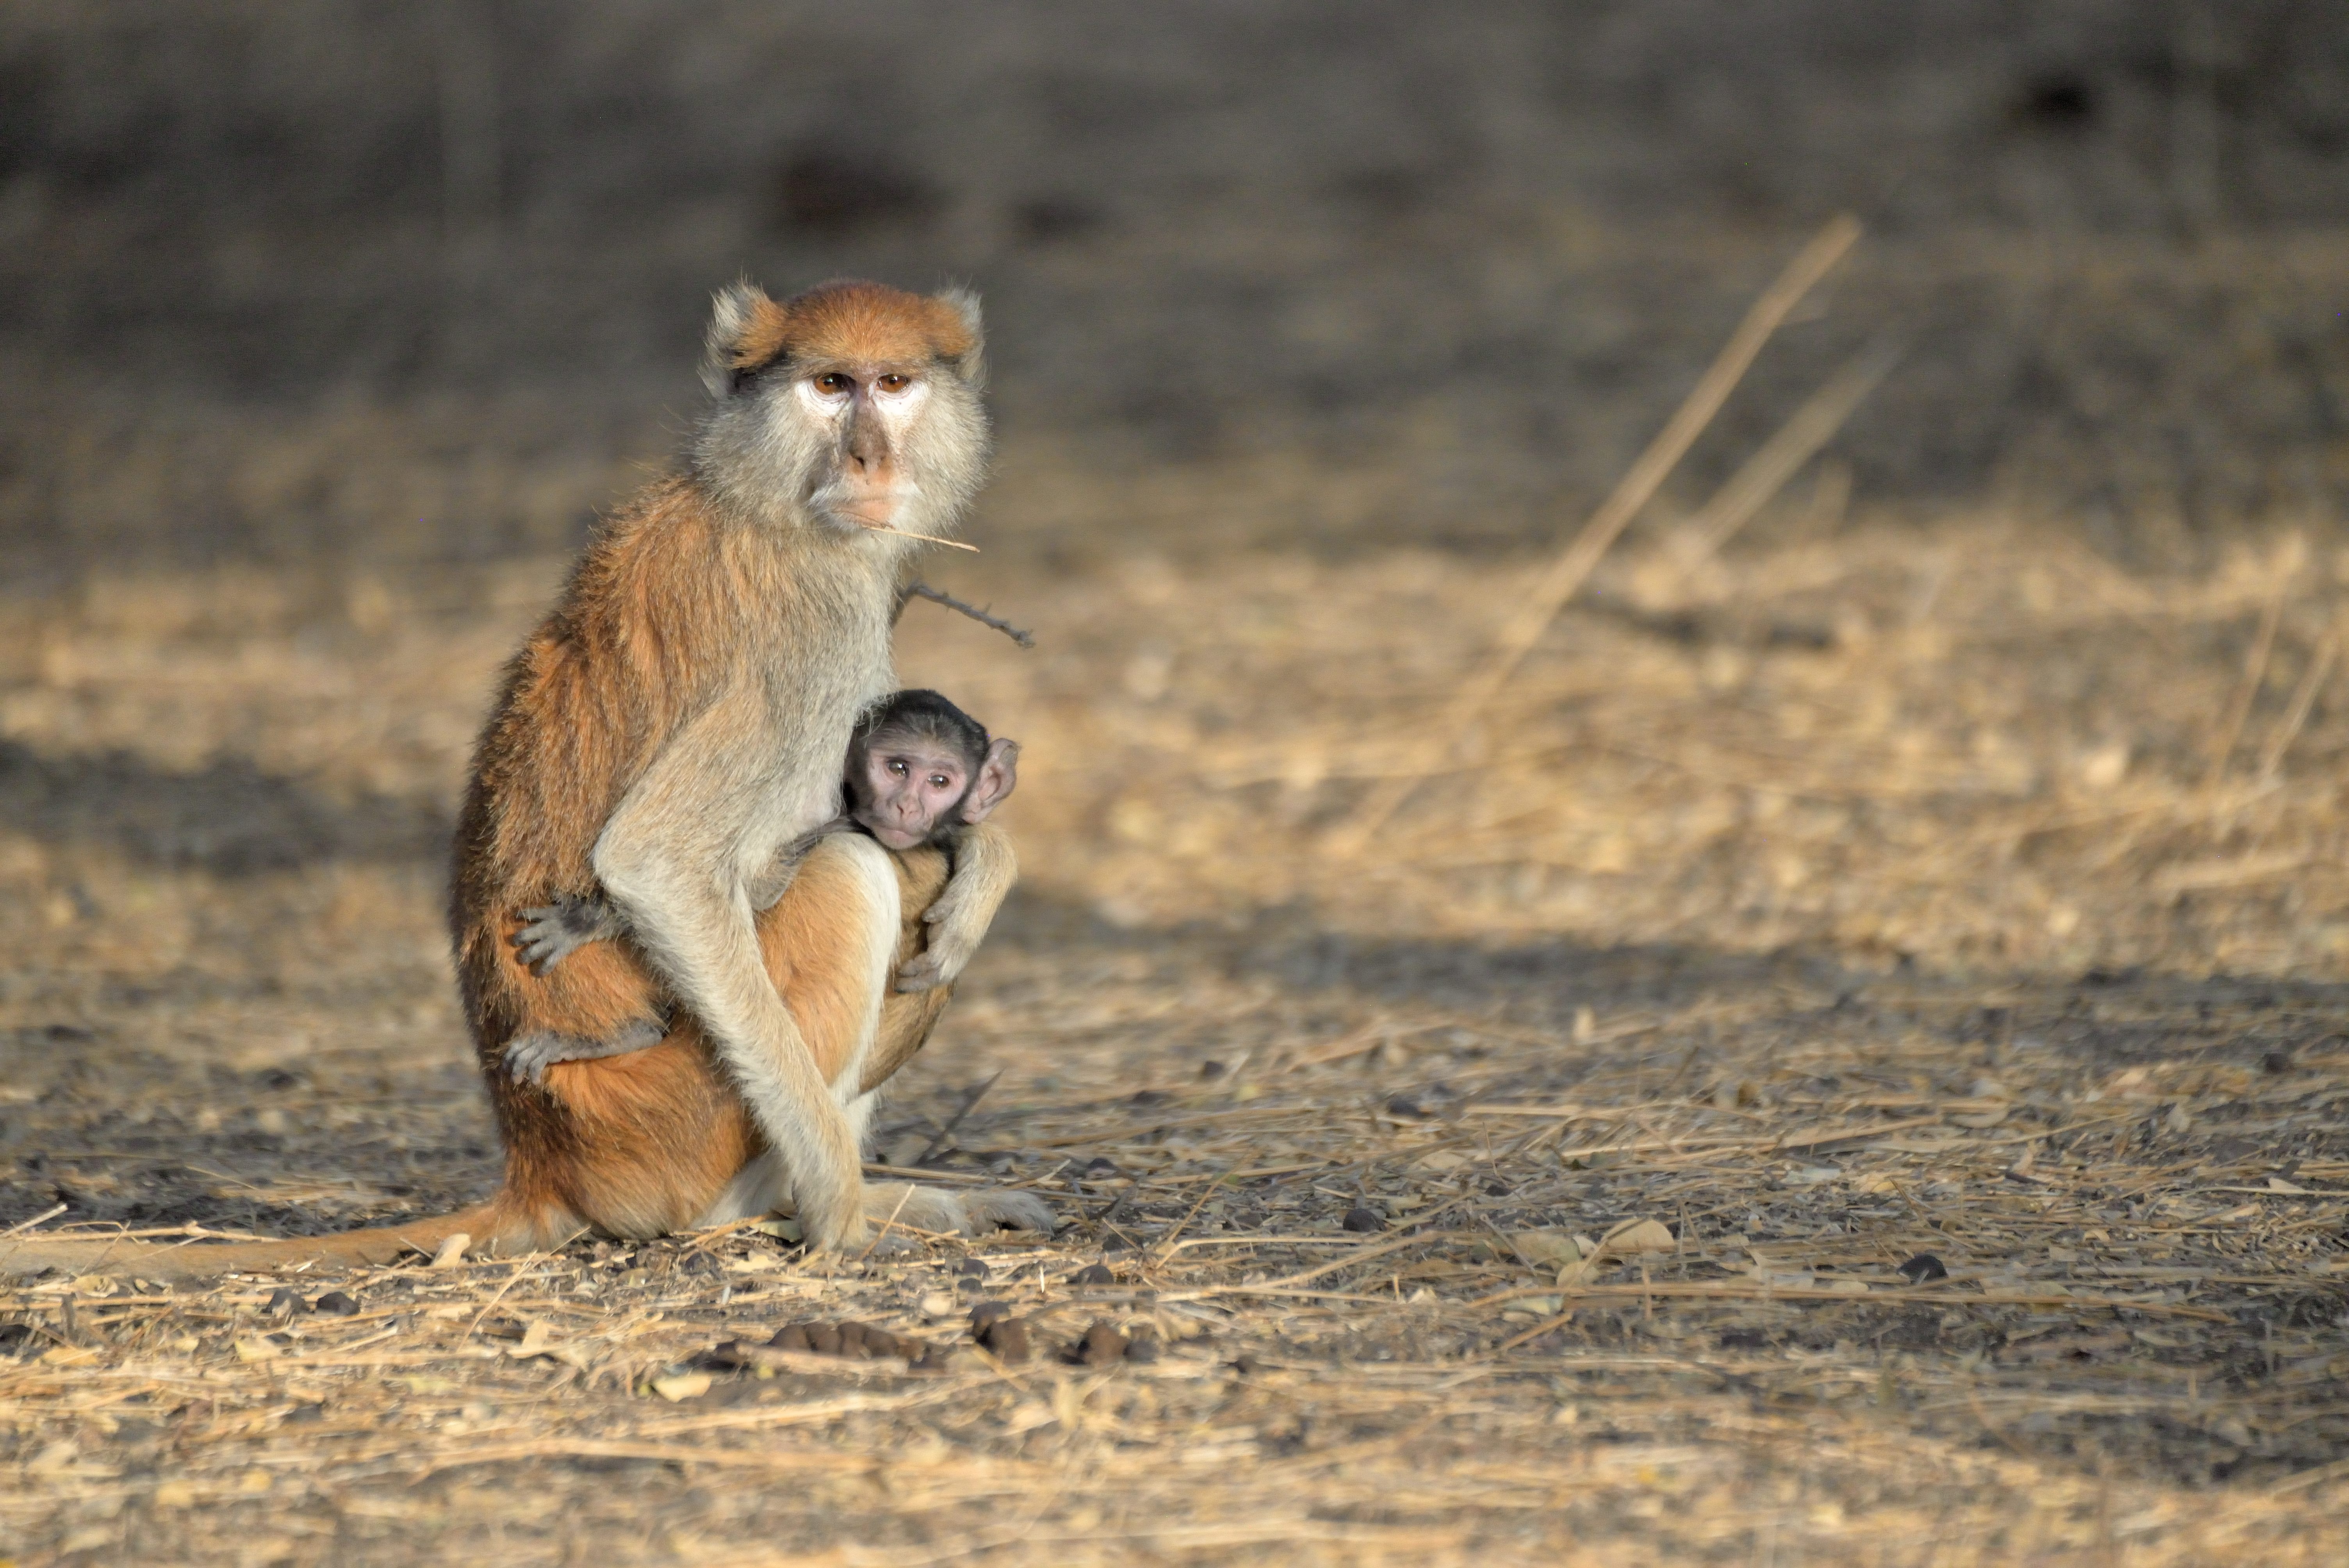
{"x":1858,"y":895}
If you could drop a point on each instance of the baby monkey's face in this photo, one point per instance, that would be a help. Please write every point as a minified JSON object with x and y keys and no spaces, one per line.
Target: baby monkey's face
{"x":908,"y":788}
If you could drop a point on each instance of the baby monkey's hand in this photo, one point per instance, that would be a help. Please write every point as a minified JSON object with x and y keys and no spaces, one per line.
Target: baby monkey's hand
{"x":552,"y":933}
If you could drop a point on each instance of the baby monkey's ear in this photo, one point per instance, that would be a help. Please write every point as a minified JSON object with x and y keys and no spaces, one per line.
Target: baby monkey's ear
{"x":998,"y":772}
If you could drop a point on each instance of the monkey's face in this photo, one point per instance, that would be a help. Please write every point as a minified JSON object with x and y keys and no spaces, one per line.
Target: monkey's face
{"x":853,"y":407}
{"x":906,"y":787}
{"x":873,"y":415}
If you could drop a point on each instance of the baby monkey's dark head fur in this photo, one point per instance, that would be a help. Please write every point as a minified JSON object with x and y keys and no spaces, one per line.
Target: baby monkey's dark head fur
{"x":920,"y":770}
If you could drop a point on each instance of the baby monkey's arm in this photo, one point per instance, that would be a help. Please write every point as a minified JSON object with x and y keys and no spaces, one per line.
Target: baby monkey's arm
{"x":985,"y":868}
{"x":767,"y":889}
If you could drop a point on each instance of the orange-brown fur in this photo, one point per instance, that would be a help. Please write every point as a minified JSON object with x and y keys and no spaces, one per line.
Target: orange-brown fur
{"x":854,"y":322}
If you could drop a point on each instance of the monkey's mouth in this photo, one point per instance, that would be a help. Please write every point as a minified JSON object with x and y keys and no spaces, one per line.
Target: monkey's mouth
{"x":870,"y":509}
{"x":898,"y":838}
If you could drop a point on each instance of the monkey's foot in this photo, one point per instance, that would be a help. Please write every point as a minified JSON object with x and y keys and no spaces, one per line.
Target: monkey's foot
{"x":553,"y":932}
{"x":937,"y":1211}
{"x":995,"y":1209}
{"x":529,"y":1055}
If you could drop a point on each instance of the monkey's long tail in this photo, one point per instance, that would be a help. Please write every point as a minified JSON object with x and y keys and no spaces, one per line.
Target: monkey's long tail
{"x":493,"y":1225}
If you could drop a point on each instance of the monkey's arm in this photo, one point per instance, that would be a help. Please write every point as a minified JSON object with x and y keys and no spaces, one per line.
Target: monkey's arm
{"x":553,"y":932}
{"x":670,"y":859}
{"x":985,"y":868}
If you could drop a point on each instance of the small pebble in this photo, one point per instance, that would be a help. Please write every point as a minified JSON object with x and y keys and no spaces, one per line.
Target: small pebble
{"x":1094,"y":1273}
{"x":1924,"y":1266}
{"x":287,"y":1302}
{"x":335,"y":1304}
{"x":1211,"y":1070}
{"x":971,"y":1268}
{"x":1363,"y":1220}
{"x":1100,"y":1170}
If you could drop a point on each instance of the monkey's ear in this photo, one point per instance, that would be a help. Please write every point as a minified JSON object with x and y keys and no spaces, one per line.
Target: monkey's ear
{"x":971,"y":363}
{"x":732,"y":312}
{"x":997,"y":774}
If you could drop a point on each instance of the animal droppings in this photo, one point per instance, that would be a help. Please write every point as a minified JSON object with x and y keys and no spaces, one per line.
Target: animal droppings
{"x":1094,"y":1273}
{"x":1007,"y":1338}
{"x":1363,"y":1220}
{"x":335,"y":1304}
{"x":1923,"y":1267}
{"x":1103,"y":1345}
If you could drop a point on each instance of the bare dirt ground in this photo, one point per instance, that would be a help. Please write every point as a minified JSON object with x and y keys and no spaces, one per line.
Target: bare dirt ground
{"x":1826,"y":928}
{"x":1844,"y":1065}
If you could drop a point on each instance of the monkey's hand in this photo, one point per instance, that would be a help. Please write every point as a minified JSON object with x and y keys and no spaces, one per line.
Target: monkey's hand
{"x":553,"y":932}
{"x":529,"y":1055}
{"x":984,"y":872}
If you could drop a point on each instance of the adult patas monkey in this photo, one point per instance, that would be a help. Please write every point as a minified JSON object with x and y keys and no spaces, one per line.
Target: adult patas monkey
{"x":677,"y":719}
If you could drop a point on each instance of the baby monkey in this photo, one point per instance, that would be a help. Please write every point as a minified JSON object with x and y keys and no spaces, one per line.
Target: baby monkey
{"x":921,"y":773}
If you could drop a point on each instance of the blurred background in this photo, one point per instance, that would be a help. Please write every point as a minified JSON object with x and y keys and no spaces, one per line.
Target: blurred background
{"x":413,"y":283}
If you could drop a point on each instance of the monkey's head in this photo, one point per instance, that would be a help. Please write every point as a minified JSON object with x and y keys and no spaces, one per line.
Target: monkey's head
{"x":852,"y":406}
{"x":920,"y":770}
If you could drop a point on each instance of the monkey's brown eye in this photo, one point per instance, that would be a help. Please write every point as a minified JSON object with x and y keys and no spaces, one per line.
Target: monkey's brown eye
{"x":834,"y":382}
{"x":893,"y":382}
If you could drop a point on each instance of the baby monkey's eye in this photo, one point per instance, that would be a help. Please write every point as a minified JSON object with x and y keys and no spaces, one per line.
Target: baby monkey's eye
{"x":834,"y":383}
{"x":893,"y":382}
{"x":898,"y":767}
{"x":939,"y":780}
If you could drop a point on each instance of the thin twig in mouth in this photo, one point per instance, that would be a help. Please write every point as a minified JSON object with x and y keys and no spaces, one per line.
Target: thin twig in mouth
{"x":903,"y":533}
